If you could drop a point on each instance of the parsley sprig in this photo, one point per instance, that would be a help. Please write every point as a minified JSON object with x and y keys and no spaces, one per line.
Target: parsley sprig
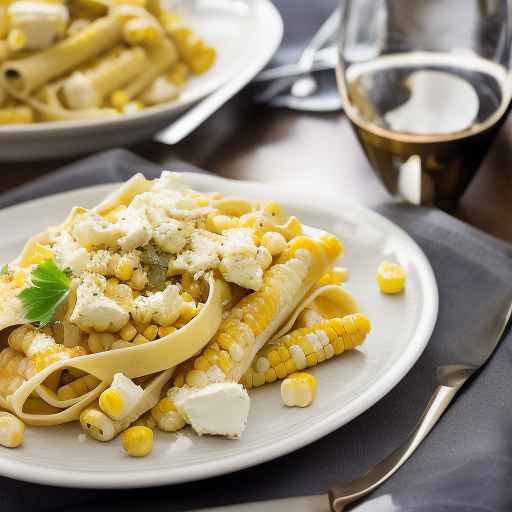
{"x":50,"y":286}
{"x":4,"y":270}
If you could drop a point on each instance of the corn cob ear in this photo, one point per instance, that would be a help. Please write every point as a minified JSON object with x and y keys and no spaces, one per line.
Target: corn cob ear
{"x":256,"y":317}
{"x":306,"y":347}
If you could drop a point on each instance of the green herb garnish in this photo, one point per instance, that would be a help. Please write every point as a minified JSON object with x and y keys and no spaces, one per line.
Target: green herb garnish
{"x":4,"y":270}
{"x":50,"y":286}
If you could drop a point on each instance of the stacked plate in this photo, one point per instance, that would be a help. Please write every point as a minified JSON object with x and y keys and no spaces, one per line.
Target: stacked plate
{"x":245,"y":33}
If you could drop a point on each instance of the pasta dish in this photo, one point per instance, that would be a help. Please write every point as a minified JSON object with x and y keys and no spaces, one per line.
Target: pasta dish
{"x":89,"y":59}
{"x":164,"y":306}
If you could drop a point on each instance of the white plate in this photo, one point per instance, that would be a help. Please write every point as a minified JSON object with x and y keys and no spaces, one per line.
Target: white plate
{"x":246,"y":33}
{"x":347,"y":386}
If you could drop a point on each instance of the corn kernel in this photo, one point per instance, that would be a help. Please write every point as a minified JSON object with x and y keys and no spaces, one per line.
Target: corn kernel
{"x":11,"y":430}
{"x":258,"y":379}
{"x":128,"y":332}
{"x":16,"y":40}
{"x":119,"y":99}
{"x":124,"y":269}
{"x":390,"y":277}
{"x":166,"y":330}
{"x":298,"y":390}
{"x":201,"y":363}
{"x":140,"y":340}
{"x":138,"y":441}
{"x":111,"y":403}
{"x":311,"y":359}
{"x":151,"y":332}
{"x":270,"y":375}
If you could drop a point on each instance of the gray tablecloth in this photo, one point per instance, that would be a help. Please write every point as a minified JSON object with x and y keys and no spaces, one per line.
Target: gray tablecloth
{"x":464,"y":465}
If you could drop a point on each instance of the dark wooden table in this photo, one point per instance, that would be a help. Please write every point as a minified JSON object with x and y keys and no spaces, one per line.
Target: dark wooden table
{"x":310,"y":153}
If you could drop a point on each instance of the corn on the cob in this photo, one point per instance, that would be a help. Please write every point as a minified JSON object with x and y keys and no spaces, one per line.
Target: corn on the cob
{"x":390,"y":277}
{"x":298,"y":390}
{"x":306,"y":347}
{"x":138,"y":441}
{"x":254,"y":319}
{"x":11,"y":430}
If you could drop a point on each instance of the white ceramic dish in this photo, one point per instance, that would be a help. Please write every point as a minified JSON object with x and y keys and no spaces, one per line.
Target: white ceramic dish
{"x":347,"y":386}
{"x":246,"y":33}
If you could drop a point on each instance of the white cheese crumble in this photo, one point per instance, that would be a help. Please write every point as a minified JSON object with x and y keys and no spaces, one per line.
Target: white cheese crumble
{"x":130,"y":392}
{"x":40,"y":22}
{"x":161,"y":307}
{"x":219,"y":409}
{"x":93,"y":310}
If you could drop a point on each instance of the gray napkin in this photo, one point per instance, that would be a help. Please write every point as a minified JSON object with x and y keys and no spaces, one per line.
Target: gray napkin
{"x":464,"y":465}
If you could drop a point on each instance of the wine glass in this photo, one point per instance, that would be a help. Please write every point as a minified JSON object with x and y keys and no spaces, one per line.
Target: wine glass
{"x":426,"y":86}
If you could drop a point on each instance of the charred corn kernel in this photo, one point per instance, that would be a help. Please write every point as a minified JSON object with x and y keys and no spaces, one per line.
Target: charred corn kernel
{"x":390,"y":277}
{"x":178,"y":74}
{"x":151,"y":332}
{"x":16,"y":40}
{"x":138,"y":441}
{"x":337,"y":275}
{"x":119,"y":99}
{"x":306,"y":347}
{"x":124,"y":269}
{"x":99,"y":342}
{"x":298,"y":390}
{"x":140,"y":340}
{"x":77,"y":388}
{"x":11,"y":430}
{"x":35,"y":255}
{"x":166,"y":416}
{"x":166,"y":330}
{"x":274,"y":242}
{"x":128,"y":332}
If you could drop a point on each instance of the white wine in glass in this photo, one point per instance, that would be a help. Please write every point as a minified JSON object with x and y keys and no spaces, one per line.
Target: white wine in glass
{"x":426,"y":86}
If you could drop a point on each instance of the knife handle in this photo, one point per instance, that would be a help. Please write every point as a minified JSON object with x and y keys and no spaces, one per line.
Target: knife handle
{"x":451,"y":378}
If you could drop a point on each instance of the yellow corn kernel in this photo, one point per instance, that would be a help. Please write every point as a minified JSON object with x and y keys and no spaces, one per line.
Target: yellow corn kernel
{"x":138,"y":441}
{"x":16,"y":40}
{"x":270,"y":375}
{"x":201,"y":363}
{"x":188,"y":311}
{"x":99,"y":342}
{"x":140,"y":340}
{"x":166,"y":330}
{"x":298,"y":390}
{"x":111,"y":403}
{"x":258,"y":379}
{"x":202,"y":59}
{"x":139,"y":279}
{"x":128,"y":332}
{"x":333,"y":245}
{"x":178,"y":75}
{"x":11,"y":430}
{"x":35,"y":255}
{"x":390,"y":277}
{"x":150,"y":332}
{"x":19,"y":114}
{"x":124,"y":270}
{"x":18,"y":279}
{"x":119,"y":99}
{"x":337,"y":275}
{"x":166,"y":416}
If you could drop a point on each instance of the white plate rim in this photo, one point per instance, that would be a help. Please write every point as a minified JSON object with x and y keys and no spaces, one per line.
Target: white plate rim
{"x":162,"y":476}
{"x":264,"y":10}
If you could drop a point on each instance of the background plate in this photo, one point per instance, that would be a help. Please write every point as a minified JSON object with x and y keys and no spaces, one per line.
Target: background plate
{"x":347,"y":386}
{"x":245,"y":33}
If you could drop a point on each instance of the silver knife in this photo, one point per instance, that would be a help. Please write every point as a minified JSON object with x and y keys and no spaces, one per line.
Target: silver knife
{"x":465,"y":357}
